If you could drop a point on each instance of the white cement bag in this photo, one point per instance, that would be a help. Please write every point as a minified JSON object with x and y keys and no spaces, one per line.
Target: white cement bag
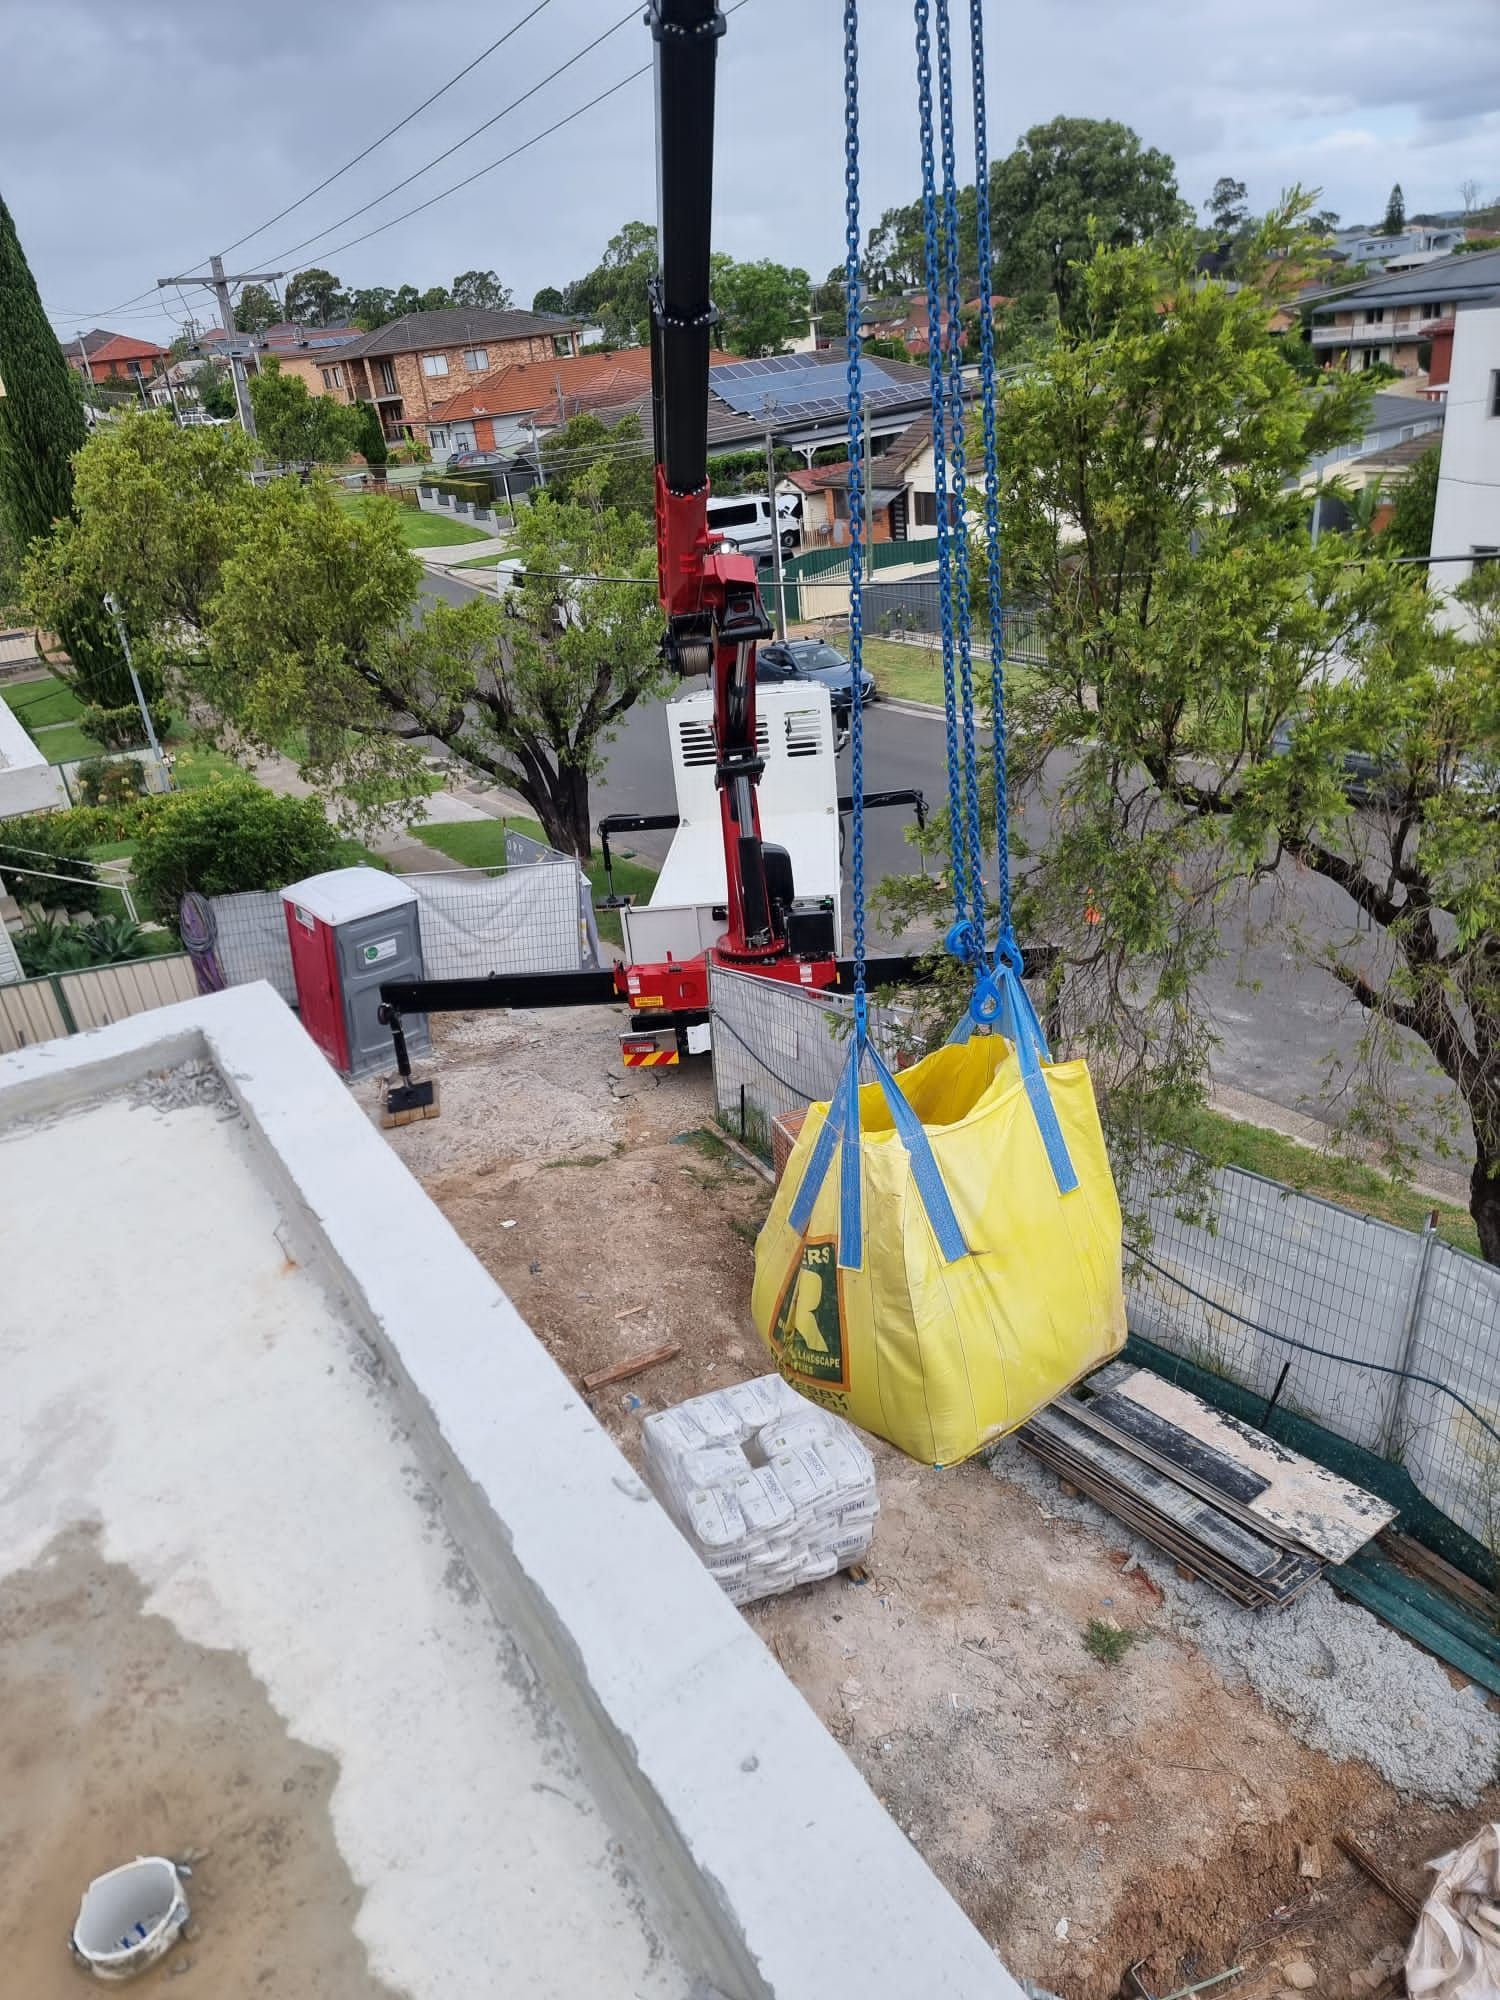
{"x":1455,"y":1949}
{"x":770,"y":1490}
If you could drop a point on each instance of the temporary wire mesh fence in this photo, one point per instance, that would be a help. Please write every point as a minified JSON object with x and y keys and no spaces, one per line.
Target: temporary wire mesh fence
{"x":1386,"y":1337}
{"x":532,"y":916}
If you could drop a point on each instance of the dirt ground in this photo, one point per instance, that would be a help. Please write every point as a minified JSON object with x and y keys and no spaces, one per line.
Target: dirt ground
{"x":1089,"y":1817}
{"x":119,"y":1737}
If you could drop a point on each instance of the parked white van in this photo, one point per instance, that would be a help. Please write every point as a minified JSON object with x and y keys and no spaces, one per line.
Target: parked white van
{"x":744,"y":520}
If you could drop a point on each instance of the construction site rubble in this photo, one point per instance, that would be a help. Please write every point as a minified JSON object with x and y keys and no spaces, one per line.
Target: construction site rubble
{"x":770,"y":1490}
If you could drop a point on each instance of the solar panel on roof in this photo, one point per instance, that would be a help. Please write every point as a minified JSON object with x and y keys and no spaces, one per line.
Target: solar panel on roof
{"x":751,"y":387}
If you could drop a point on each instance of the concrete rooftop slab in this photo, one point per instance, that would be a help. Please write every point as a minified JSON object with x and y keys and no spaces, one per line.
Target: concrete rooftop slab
{"x":281,"y":1464}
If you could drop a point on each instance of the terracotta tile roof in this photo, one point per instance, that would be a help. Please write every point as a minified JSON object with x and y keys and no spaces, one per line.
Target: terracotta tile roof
{"x":122,"y":347}
{"x":819,"y":476}
{"x":559,"y":389}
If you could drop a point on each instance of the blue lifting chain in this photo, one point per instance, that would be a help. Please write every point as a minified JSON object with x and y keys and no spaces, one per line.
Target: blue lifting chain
{"x":841,"y":1128}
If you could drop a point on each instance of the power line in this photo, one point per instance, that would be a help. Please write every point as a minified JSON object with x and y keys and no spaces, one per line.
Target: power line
{"x":505,"y":158}
{"x":339,"y":248}
{"x":283,"y":256}
{"x":441,"y":91}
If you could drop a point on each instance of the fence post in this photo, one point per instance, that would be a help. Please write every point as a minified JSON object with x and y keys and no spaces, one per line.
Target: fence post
{"x":1410,"y":1318}
{"x":54,"y":980}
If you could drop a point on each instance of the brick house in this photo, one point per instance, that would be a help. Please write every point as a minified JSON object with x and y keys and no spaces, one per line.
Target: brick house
{"x":498,"y":413}
{"x":413,"y":367}
{"x":114,"y":357}
{"x":1394,"y":319}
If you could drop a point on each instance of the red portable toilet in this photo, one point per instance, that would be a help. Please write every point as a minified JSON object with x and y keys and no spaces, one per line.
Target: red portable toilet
{"x":351,"y":930}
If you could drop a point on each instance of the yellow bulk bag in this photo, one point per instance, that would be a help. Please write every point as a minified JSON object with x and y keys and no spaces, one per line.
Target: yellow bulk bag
{"x":938,"y":1344}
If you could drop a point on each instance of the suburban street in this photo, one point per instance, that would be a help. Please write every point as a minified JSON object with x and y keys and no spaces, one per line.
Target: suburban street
{"x":1280,"y":1021}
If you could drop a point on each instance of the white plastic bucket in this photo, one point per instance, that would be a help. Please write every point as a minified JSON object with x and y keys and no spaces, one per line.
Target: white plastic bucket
{"x":129,"y":1918}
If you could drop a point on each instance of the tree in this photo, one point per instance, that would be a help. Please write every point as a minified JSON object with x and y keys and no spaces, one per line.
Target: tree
{"x":480,"y":289}
{"x":373,"y":307}
{"x":1069,"y":185}
{"x":1469,"y":194}
{"x":41,"y":418}
{"x":214,"y":394}
{"x":309,"y":601}
{"x":158,"y":509}
{"x":1228,"y":211}
{"x":1395,"y":212}
{"x":296,"y":428}
{"x":312,"y":631}
{"x":435,"y":299}
{"x":407,"y":299}
{"x":762,"y":304}
{"x":532,"y":689}
{"x":314,"y":297}
{"x":586,"y":459}
{"x":549,"y":300}
{"x":615,"y":291}
{"x":1195,"y":739}
{"x":42,"y":424}
{"x":1409,"y":530}
{"x":256,"y":308}
{"x":371,"y":440}
{"x":1324,"y":222}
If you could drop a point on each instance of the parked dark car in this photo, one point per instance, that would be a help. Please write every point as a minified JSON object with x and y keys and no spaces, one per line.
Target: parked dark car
{"x":1367,"y":781}
{"x":472,"y":461}
{"x":816,"y":661}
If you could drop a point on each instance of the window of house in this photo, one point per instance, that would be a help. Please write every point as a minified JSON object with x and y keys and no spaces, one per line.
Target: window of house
{"x":1495,"y":392}
{"x":333,"y":378}
{"x":388,"y":378}
{"x":1433,"y":309}
{"x":476,"y":359}
{"x":1374,"y":315}
{"x":434,"y":364}
{"x":562,"y":343}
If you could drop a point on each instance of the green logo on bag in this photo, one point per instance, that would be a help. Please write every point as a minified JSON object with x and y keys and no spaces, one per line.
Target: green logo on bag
{"x":809,"y":1325}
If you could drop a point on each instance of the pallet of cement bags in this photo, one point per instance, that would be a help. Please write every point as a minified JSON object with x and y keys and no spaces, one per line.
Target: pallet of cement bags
{"x":768,"y":1489}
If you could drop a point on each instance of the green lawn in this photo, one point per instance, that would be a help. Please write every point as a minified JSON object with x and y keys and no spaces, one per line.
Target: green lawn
{"x":915,"y":673}
{"x":1230,"y":1143}
{"x":476,"y":562}
{"x":196,"y":764}
{"x":476,"y":844}
{"x":418,"y":530}
{"x":66,"y":744}
{"x":42,"y":701}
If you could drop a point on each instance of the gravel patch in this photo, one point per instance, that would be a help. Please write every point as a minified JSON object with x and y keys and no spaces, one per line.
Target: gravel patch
{"x":1345,"y":1683}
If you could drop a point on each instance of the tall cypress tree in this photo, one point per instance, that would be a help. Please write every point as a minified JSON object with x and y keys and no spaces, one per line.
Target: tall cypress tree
{"x":41,"y":426}
{"x":41,"y":418}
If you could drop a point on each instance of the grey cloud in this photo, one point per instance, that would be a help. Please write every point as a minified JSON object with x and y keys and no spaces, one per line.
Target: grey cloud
{"x":136,"y":139}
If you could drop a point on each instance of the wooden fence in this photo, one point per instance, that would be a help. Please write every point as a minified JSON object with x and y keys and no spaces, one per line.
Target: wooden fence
{"x":66,"y":1003}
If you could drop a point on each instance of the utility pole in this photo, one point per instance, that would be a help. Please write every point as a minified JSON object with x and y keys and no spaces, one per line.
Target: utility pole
{"x":775,"y":533}
{"x":88,"y":376}
{"x":541,"y":469}
{"x":112,"y":605}
{"x":219,"y":285}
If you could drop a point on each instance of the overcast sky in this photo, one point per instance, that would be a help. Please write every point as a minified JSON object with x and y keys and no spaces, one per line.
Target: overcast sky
{"x":135,"y":140}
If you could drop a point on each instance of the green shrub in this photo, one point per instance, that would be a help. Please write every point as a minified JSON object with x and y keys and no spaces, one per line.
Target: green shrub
{"x":79,"y":828}
{"x":51,"y":945}
{"x":228,"y":837}
{"x":110,"y":781}
{"x":122,"y":728}
{"x":45,"y":843}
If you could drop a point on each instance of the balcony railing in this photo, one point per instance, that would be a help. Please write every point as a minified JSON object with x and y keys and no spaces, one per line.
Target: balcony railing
{"x":1373,"y":333}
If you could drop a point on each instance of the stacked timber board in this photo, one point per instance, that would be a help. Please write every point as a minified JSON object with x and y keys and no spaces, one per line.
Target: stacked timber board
{"x":1222,"y":1499}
